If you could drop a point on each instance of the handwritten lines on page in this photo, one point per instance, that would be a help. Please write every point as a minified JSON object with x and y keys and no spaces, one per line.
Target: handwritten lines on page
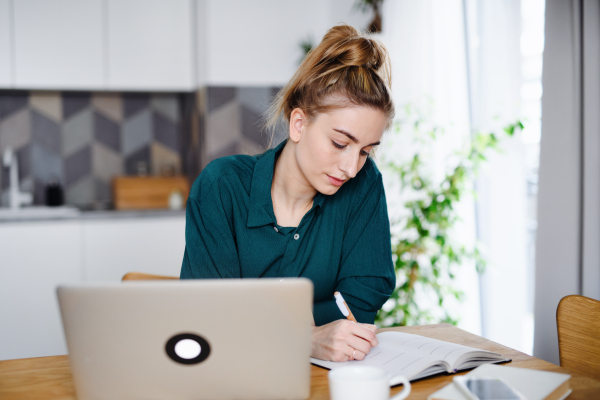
{"x":394,"y":361}
{"x":453,"y":354}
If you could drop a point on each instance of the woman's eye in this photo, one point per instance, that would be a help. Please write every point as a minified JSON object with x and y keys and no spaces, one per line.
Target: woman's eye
{"x":339,"y":146}
{"x":364,"y":153}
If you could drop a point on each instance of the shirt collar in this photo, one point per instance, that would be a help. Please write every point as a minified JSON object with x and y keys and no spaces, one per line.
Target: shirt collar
{"x":261,"y":204}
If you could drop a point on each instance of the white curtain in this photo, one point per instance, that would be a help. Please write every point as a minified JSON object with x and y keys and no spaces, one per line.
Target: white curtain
{"x":495,"y":57}
{"x":426,"y":41}
{"x":568,"y":253}
{"x":430,"y":42}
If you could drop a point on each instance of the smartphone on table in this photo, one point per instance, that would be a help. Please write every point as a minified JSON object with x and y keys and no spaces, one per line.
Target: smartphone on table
{"x":486,"y":388}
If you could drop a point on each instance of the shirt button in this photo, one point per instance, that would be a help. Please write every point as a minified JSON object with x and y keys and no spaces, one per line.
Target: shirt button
{"x":275,"y":229}
{"x":296,"y":236}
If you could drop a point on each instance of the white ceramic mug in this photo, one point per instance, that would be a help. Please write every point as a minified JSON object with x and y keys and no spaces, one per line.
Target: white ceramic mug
{"x":360,"y":382}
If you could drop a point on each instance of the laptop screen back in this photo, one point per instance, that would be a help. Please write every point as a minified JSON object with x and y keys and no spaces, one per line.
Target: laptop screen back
{"x":202,"y":339}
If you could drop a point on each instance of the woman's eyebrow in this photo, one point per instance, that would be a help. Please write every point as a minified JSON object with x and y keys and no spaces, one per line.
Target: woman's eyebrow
{"x":351,"y":137}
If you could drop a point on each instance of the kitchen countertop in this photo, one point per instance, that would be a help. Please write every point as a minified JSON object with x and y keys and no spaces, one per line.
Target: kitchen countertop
{"x":102,"y":214}
{"x":96,"y":215}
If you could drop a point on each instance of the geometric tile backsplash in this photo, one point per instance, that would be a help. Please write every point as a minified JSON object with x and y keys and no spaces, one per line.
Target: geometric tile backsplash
{"x":234,"y":120}
{"x":84,"y":139}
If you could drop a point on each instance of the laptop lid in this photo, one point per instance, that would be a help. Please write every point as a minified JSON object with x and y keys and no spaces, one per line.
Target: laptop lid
{"x":191,"y":339}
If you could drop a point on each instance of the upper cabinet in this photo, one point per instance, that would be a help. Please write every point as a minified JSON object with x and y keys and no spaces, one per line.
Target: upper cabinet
{"x":150,"y":45}
{"x":97,"y":44}
{"x":6,"y":60}
{"x":58,"y":44}
{"x":257,"y":43}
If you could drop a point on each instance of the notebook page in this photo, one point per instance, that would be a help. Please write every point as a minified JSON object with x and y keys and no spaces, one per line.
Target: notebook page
{"x":394,"y":361}
{"x":451,"y":353}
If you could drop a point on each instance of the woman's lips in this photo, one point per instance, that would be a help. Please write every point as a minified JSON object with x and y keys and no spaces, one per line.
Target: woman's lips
{"x":335,"y":181}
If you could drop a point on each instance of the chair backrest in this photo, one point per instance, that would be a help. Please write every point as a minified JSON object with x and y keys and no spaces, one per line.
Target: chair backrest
{"x":140,"y":276}
{"x":578,"y":323}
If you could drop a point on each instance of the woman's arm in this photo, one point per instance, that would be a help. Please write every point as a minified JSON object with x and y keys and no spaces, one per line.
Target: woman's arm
{"x":210,"y":251}
{"x":366,"y":276}
{"x":377,"y":290}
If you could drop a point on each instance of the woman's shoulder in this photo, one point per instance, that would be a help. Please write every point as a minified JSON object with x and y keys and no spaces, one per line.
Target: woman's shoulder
{"x":223,"y":170}
{"x":370,"y":171}
{"x":231,"y":165}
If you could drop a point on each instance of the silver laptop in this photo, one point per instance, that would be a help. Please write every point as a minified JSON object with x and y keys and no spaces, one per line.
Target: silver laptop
{"x":196,"y":339}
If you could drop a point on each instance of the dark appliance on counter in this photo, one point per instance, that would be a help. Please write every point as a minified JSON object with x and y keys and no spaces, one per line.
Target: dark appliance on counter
{"x":54,"y":194}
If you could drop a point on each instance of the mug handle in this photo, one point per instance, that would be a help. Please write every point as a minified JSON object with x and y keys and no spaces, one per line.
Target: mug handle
{"x":405,"y":392}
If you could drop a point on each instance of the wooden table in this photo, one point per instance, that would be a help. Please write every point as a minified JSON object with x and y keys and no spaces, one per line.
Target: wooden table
{"x":50,"y":377}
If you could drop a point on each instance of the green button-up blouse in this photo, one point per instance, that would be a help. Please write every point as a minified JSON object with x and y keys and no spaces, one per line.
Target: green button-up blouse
{"x":342,"y":243}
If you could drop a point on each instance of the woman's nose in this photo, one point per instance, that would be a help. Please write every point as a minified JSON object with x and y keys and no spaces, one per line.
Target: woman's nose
{"x":349,"y":165}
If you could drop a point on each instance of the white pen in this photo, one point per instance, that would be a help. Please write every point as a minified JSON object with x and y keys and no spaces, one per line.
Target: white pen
{"x":341,"y":303}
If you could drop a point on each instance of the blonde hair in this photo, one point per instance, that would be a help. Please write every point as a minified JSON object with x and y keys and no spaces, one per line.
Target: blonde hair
{"x":346,"y":69}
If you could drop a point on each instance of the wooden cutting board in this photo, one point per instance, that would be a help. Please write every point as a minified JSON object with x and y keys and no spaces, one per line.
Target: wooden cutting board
{"x":147,"y":192}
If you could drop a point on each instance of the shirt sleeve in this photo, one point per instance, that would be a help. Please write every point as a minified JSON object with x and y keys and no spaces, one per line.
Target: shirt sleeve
{"x":366,"y":277}
{"x":210,"y":250}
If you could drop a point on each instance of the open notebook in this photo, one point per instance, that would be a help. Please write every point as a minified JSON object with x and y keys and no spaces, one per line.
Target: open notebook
{"x":415,"y":356}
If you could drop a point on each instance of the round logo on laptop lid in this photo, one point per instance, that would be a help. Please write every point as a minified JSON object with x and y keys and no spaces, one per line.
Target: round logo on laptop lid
{"x":187,"y":348}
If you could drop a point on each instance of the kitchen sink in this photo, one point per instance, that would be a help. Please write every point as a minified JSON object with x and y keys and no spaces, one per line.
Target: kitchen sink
{"x":37,"y":213}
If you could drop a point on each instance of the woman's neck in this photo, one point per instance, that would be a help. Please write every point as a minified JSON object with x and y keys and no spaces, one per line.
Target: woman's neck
{"x":291,"y":193}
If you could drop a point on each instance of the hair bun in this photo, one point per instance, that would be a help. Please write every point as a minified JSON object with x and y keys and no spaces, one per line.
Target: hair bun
{"x":346,"y":68}
{"x":346,"y":45}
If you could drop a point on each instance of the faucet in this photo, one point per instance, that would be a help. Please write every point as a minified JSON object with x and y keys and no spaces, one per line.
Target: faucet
{"x":16,"y":198}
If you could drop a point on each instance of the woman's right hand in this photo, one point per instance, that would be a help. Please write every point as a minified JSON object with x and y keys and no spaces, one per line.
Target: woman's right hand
{"x":343,"y":340}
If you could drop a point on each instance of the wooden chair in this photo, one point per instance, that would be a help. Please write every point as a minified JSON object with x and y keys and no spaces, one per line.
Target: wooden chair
{"x":578,"y":323}
{"x":140,"y":276}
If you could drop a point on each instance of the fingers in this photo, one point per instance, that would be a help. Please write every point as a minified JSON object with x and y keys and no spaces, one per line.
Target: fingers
{"x":358,"y":337}
{"x":355,"y":354}
{"x":351,"y":353}
{"x":365,"y":332}
{"x":359,"y":344}
{"x":371,"y":327}
{"x":359,"y":355}
{"x":343,"y":356}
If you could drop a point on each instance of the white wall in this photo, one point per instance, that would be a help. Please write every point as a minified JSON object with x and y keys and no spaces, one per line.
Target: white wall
{"x":568,"y":212}
{"x":257,"y":43}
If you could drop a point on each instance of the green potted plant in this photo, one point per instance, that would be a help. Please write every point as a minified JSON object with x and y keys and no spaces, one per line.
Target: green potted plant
{"x":425,"y":253}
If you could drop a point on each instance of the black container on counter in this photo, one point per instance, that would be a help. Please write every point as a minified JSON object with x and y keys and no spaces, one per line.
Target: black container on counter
{"x":54,"y":194}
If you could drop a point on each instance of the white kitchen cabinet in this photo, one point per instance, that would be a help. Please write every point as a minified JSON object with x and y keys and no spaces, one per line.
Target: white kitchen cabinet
{"x":150,"y":45}
{"x":114,"y":247}
{"x":59,"y":44}
{"x":35,"y":257}
{"x":5,"y":44}
{"x":97,"y":45}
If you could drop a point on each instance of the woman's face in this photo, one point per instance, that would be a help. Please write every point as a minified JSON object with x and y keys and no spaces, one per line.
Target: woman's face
{"x":334,"y":147}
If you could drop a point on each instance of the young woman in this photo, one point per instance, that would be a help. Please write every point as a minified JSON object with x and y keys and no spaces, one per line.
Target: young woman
{"x":314,"y":206}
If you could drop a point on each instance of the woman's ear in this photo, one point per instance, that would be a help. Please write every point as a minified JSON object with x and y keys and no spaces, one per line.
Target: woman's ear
{"x":298,"y":121}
